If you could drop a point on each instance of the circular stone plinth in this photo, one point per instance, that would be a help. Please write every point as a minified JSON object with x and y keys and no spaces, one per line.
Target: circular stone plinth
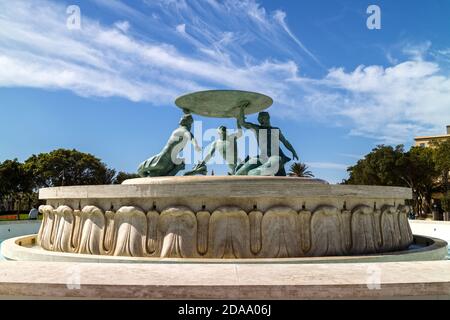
{"x":223,"y":103}
{"x":225,"y":218}
{"x":25,"y":249}
{"x":211,"y":192}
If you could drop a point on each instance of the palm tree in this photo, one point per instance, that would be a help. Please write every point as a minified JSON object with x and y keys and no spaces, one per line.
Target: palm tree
{"x":299,"y":169}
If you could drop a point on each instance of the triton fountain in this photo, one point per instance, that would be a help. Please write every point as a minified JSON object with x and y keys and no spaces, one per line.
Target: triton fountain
{"x":255,"y":213}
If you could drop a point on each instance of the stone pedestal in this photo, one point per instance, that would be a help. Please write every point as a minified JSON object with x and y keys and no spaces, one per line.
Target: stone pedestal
{"x":225,"y":217}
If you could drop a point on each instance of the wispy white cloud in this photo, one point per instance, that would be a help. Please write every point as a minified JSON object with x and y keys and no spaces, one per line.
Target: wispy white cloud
{"x":417,"y":51}
{"x":120,"y":7}
{"x":104,"y":61}
{"x":37,"y":50}
{"x":245,"y":25}
{"x":388,"y":104}
{"x":392,"y":104}
{"x":280,"y":16}
{"x":392,"y":60}
{"x":181,"y":28}
{"x":351,"y":155}
{"x":327,"y":165}
{"x":123,"y":26}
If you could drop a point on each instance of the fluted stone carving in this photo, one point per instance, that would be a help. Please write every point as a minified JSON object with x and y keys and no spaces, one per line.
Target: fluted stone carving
{"x":280,"y":236}
{"x":109,"y":240}
{"x":390,"y":231}
{"x":227,"y":233}
{"x":327,"y":233}
{"x":92,"y":231}
{"x":405,"y":229}
{"x":346,"y":232}
{"x":152,"y":233}
{"x":177,"y":229}
{"x":64,"y":222}
{"x":130,"y":232}
{"x":304,"y":223}
{"x":255,"y":218}
{"x":203,"y":218}
{"x":44,"y":238}
{"x":364,"y":230}
{"x":76,"y":234}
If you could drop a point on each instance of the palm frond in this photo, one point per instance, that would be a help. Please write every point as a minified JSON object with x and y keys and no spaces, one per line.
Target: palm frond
{"x":299,"y":169}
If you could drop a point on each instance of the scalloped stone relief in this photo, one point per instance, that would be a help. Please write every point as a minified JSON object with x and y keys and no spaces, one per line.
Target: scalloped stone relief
{"x":227,"y":233}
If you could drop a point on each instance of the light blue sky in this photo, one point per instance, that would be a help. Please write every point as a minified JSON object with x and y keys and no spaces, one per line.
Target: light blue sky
{"x":339,"y":88}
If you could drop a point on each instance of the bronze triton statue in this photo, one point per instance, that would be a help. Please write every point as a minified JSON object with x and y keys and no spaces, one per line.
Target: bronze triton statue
{"x":270,"y":160}
{"x":226,"y":147}
{"x":167,"y":163}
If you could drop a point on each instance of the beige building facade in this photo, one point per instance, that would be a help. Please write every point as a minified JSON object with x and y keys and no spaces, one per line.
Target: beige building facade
{"x":425,"y":141}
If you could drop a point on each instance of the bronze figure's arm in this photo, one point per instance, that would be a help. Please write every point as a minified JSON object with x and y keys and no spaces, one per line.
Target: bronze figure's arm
{"x":195,"y":143}
{"x":288,"y":146}
{"x":211,"y":152}
{"x":242,"y":123}
{"x":236,"y":135}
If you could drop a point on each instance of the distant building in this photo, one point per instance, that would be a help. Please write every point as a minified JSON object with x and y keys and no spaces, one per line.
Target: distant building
{"x":426,"y":140}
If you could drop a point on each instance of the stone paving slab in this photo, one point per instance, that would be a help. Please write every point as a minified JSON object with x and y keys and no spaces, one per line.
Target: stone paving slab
{"x":229,"y":281}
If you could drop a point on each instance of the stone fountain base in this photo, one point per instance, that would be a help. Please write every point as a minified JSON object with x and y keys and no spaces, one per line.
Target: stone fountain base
{"x":225,"y":217}
{"x":25,"y":249}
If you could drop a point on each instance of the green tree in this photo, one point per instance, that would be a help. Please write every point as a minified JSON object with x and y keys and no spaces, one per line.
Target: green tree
{"x":446,"y":202}
{"x":379,"y":167}
{"x":16,"y":184}
{"x":442,"y":160}
{"x":417,"y":168}
{"x":389,"y":166}
{"x":68,"y":168}
{"x":299,"y":169}
{"x":122,"y":176}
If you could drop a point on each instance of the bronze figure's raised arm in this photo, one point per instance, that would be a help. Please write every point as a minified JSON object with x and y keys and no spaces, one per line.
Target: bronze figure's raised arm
{"x":271,"y":159}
